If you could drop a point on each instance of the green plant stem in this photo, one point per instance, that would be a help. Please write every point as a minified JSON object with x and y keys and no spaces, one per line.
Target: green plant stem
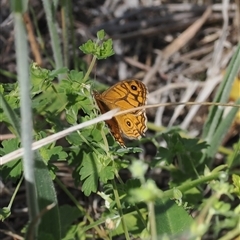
{"x":221,"y":131}
{"x":73,"y":37}
{"x":204,"y":217}
{"x":11,"y":115}
{"x":26,"y":113}
{"x":81,"y":209}
{"x":89,"y":69}
{"x":8,"y":74}
{"x":90,"y":146}
{"x":40,"y":38}
{"x":222,"y":96}
{"x":154,"y":127}
{"x":119,"y":178}
{"x":189,"y":185}
{"x":124,"y":226}
{"x":234,"y":234}
{"x":65,"y":23}
{"x":105,"y":142}
{"x":135,"y":206}
{"x":15,"y":192}
{"x":52,"y":26}
{"x":86,"y":141}
{"x":225,"y":150}
{"x":152,"y":220}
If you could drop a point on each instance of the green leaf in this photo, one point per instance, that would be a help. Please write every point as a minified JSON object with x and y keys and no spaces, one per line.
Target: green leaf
{"x":233,"y":158}
{"x":46,"y":195}
{"x":40,"y":79}
{"x":19,"y":6}
{"x":135,"y":222}
{"x":54,"y":73}
{"x":101,"y":34}
{"x":68,"y":214}
{"x":71,"y":115}
{"x":93,"y":168}
{"x":138,"y":169}
{"x":88,"y":47}
{"x":124,"y":151}
{"x":89,"y":173}
{"x":13,"y":169}
{"x":148,"y":192}
{"x":101,"y":49}
{"x":222,"y":95}
{"x":13,"y":118}
{"x":51,"y":100}
{"x":106,"y":173}
{"x":53,"y":153}
{"x":75,"y":232}
{"x":171,"y":219}
{"x":188,"y":152}
{"x":38,"y":73}
{"x":75,"y":76}
{"x":74,"y":139}
{"x":4,"y":213}
{"x":106,"y":50}
{"x":221,"y":131}
{"x":44,"y":235}
{"x":236,"y":183}
{"x":9,"y":88}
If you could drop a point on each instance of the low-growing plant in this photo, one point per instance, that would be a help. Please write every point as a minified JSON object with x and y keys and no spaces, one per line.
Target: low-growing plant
{"x":137,"y":207}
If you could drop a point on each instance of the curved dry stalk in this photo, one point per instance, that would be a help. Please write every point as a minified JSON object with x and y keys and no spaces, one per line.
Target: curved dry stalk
{"x":177,"y":104}
{"x":108,"y":115}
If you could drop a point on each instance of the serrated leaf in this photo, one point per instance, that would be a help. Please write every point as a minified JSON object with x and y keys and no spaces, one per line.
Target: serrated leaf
{"x":100,"y":50}
{"x":63,"y":85}
{"x":75,"y":76}
{"x":74,"y":139}
{"x":89,"y":186}
{"x":53,"y":153}
{"x":106,"y":50}
{"x":38,"y":73}
{"x":120,"y":164}
{"x":4,"y":213}
{"x":89,"y":173}
{"x":123,"y":151}
{"x":106,"y":173}
{"x":101,"y":34}
{"x":13,"y":169}
{"x":71,"y":116}
{"x":11,"y":115}
{"x":88,"y":47}
{"x":93,"y":168}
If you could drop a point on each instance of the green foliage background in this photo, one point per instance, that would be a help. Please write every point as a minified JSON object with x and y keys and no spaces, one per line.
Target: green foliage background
{"x":138,"y":207}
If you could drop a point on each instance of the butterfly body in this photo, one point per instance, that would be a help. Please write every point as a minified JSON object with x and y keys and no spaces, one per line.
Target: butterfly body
{"x":125,"y":95}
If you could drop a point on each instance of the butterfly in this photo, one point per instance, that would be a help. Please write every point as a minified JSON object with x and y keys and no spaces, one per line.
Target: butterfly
{"x":125,"y":95}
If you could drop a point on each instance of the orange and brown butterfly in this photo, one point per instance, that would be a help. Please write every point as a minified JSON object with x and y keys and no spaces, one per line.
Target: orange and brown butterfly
{"x":125,"y":95}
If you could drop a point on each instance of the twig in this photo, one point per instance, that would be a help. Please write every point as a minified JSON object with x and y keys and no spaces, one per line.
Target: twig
{"x":32,"y":40}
